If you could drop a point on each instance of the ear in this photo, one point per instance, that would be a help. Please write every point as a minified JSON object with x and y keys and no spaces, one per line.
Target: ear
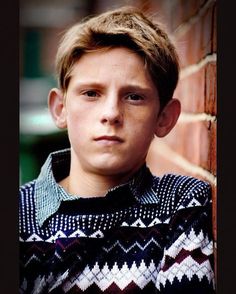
{"x":57,"y":107}
{"x":168,"y":117}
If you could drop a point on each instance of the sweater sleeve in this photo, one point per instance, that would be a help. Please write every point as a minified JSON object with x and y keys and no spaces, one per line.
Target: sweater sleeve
{"x":187,"y":265}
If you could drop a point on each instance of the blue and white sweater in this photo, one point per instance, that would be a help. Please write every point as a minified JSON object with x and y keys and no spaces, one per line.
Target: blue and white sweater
{"x":150,"y":235}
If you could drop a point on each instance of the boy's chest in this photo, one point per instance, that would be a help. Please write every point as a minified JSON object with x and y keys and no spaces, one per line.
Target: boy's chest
{"x":124,"y":258}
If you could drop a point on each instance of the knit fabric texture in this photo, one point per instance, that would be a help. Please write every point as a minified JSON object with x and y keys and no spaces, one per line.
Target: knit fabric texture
{"x":150,"y":235}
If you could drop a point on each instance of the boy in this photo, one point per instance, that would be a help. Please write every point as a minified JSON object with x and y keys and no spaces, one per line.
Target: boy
{"x":96,"y":220}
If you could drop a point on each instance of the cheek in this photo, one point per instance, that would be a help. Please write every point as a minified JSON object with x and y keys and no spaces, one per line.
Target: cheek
{"x":144,"y":123}
{"x":141,"y":137}
{"x":77,"y":125}
{"x":77,"y":114}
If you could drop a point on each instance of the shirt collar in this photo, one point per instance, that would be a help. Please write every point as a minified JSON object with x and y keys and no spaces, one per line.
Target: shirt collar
{"x":49,"y":194}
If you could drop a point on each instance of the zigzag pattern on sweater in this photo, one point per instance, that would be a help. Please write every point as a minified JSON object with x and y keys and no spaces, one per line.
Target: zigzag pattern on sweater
{"x":140,"y":275}
{"x":187,"y":267}
{"x":178,"y":261}
{"x":103,"y":277}
{"x":159,"y":239}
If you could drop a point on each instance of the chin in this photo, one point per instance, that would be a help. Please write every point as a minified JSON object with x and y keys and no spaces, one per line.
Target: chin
{"x":112,"y":169}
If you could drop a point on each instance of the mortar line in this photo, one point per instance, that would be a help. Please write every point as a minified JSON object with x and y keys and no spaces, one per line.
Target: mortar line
{"x":165,"y":151}
{"x":191,"y":69}
{"x":184,"y":27}
{"x":186,"y":117}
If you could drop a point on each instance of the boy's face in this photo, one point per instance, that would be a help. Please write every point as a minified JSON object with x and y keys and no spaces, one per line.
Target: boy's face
{"x":111,"y":110}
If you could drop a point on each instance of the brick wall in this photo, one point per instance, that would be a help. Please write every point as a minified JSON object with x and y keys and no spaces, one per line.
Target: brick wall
{"x":191,"y":147}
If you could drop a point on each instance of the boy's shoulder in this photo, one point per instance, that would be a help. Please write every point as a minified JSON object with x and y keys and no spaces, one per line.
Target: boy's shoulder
{"x":27,"y":186}
{"x":26,"y":190}
{"x":175,"y":192}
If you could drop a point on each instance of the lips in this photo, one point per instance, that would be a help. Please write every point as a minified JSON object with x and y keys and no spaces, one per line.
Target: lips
{"x":114,"y":139}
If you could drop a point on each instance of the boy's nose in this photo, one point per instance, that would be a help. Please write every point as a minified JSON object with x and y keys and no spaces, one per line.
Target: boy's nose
{"x":111,"y":112}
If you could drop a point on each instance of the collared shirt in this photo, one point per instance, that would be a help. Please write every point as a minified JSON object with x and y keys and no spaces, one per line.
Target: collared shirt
{"x":146,"y":232}
{"x":49,"y":194}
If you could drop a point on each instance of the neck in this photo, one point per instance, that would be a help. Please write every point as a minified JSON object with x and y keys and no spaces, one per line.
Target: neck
{"x":89,"y":184}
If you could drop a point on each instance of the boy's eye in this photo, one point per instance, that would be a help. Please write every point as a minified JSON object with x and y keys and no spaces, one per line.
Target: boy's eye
{"x":134,"y":97}
{"x":90,"y":93}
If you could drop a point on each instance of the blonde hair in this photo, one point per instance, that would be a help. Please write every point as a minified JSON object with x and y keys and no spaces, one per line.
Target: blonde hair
{"x":122,"y":27}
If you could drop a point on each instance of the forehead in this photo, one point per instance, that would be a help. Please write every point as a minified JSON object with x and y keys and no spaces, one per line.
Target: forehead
{"x":120,"y":64}
{"x":111,"y":56}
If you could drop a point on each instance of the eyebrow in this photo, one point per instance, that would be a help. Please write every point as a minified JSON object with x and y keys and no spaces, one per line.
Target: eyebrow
{"x":96,"y":85}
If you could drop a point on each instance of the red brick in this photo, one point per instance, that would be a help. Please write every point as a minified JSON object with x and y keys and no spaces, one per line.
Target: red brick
{"x":160,"y":165}
{"x":207,"y":29}
{"x":196,"y":43}
{"x":144,"y":5}
{"x":197,"y":92}
{"x":214,"y":44}
{"x":213,"y":151}
{"x":204,"y":145}
{"x":192,"y":141}
{"x":179,"y":138}
{"x":191,"y":91}
{"x":175,"y":144}
{"x":162,"y":13}
{"x":183,"y":10}
{"x":177,"y":14}
{"x":189,"y":45}
{"x":211,"y":91}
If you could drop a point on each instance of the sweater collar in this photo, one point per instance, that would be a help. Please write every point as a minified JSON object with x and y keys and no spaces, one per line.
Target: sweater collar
{"x":49,"y":194}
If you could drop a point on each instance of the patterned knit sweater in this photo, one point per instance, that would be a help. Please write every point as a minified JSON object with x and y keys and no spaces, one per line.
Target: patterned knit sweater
{"x":151,"y":235}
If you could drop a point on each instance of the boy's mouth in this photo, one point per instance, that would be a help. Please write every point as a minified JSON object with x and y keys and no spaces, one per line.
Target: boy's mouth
{"x":109,"y":139}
